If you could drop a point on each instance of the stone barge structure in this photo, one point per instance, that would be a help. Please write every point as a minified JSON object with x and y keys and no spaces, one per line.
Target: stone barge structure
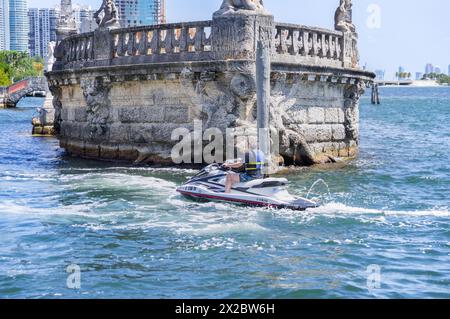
{"x":120,"y":92}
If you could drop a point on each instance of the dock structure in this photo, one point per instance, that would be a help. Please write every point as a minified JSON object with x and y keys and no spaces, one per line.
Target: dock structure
{"x":395,"y":83}
{"x":119,"y":93}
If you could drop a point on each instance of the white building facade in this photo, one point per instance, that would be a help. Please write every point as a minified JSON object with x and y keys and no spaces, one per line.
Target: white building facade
{"x":4,"y":25}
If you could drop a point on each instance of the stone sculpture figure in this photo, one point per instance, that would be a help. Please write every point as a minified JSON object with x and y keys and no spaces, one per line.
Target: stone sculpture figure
{"x":96,"y":94}
{"x":50,"y":58}
{"x":343,"y":17}
{"x":230,"y":6}
{"x":107,"y":16}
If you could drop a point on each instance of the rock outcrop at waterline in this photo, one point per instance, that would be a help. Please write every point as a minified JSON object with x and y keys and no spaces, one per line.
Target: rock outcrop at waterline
{"x":120,"y":93}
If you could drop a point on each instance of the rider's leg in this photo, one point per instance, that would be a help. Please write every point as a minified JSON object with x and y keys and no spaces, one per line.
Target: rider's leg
{"x":231,"y":179}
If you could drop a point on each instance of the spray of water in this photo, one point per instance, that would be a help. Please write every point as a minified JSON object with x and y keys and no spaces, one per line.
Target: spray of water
{"x":313,"y":186}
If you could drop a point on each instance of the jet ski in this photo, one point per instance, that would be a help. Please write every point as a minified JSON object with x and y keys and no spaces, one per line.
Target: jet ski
{"x":209,"y":185}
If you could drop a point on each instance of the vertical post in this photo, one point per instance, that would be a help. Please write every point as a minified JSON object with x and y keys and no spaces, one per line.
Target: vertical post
{"x":263,"y":98}
{"x":375,"y":94}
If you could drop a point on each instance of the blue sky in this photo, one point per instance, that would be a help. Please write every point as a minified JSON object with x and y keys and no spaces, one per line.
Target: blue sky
{"x":411,"y":33}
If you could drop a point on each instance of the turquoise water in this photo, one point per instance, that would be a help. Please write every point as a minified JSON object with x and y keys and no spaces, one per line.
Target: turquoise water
{"x":133,"y":236}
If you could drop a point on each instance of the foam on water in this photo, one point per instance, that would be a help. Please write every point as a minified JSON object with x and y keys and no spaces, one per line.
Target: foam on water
{"x":338,"y":208}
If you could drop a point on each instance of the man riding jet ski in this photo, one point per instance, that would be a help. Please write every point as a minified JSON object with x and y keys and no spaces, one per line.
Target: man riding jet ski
{"x":243,"y":182}
{"x":249,"y":170}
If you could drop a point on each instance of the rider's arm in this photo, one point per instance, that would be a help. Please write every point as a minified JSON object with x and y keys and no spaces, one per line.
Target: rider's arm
{"x":234,"y":165}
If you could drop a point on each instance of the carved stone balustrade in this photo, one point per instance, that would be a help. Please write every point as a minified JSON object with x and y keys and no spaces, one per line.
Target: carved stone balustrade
{"x":301,"y":44}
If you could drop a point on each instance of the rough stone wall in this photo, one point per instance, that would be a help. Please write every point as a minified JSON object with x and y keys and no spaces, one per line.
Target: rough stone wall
{"x":319,"y":114}
{"x":134,"y":120}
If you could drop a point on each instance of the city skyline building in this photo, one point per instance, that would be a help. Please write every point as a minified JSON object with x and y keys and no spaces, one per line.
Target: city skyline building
{"x":18,"y":25}
{"x":419,"y":76}
{"x":437,"y":70}
{"x":42,"y":24}
{"x":84,"y":18}
{"x":140,"y":12}
{"x":4,"y":25}
{"x":448,"y":70}
{"x":429,"y":68}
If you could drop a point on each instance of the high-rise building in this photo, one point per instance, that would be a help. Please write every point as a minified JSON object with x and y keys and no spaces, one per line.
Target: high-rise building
{"x":437,"y":70}
{"x":429,"y":68}
{"x":380,"y":75}
{"x":419,"y":76}
{"x":448,"y":70}
{"x":42,"y":30}
{"x":18,"y":25}
{"x":84,"y":18}
{"x":141,"y":12}
{"x":4,"y":25}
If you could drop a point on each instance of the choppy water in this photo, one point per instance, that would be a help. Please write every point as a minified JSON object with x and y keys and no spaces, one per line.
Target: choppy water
{"x":133,"y":236}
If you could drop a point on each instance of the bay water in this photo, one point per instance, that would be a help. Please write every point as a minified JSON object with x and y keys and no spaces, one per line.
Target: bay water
{"x":383,"y":230}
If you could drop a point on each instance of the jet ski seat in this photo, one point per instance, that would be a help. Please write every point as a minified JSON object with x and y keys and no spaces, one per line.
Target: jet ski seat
{"x":263,"y":183}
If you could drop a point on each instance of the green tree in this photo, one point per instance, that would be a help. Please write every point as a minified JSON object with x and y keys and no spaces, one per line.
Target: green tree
{"x":19,"y":65}
{"x":38,"y":68}
{"x":4,"y":78}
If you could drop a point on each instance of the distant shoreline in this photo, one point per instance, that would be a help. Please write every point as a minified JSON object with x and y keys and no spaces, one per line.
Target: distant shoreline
{"x":413,"y":84}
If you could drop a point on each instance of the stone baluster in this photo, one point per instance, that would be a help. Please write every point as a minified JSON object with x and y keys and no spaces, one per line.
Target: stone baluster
{"x":323,"y":45}
{"x":130,"y":44}
{"x":126,"y":38}
{"x":169,"y":40}
{"x":315,"y":44}
{"x":184,"y":34}
{"x":339,"y":49}
{"x":73,"y":45}
{"x":118,"y":45}
{"x":155,"y":43}
{"x":143,"y":43}
{"x":69,"y":51}
{"x":76,"y":49}
{"x":297,"y":42}
{"x":87,"y":48}
{"x":115,"y":40}
{"x":72,"y":50}
{"x":306,"y":43}
{"x":199,"y":39}
{"x":80,"y":55}
{"x":282,"y":40}
{"x":83,"y":49}
{"x":64,"y":48}
{"x":176,"y":40}
{"x":331,"y":45}
{"x":80,"y":49}
{"x":190,"y":40}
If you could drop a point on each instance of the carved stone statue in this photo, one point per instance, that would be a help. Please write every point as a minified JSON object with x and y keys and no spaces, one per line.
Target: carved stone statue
{"x":96,"y":94}
{"x":230,"y":6}
{"x":343,"y":17}
{"x":107,"y":16}
{"x":50,"y":58}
